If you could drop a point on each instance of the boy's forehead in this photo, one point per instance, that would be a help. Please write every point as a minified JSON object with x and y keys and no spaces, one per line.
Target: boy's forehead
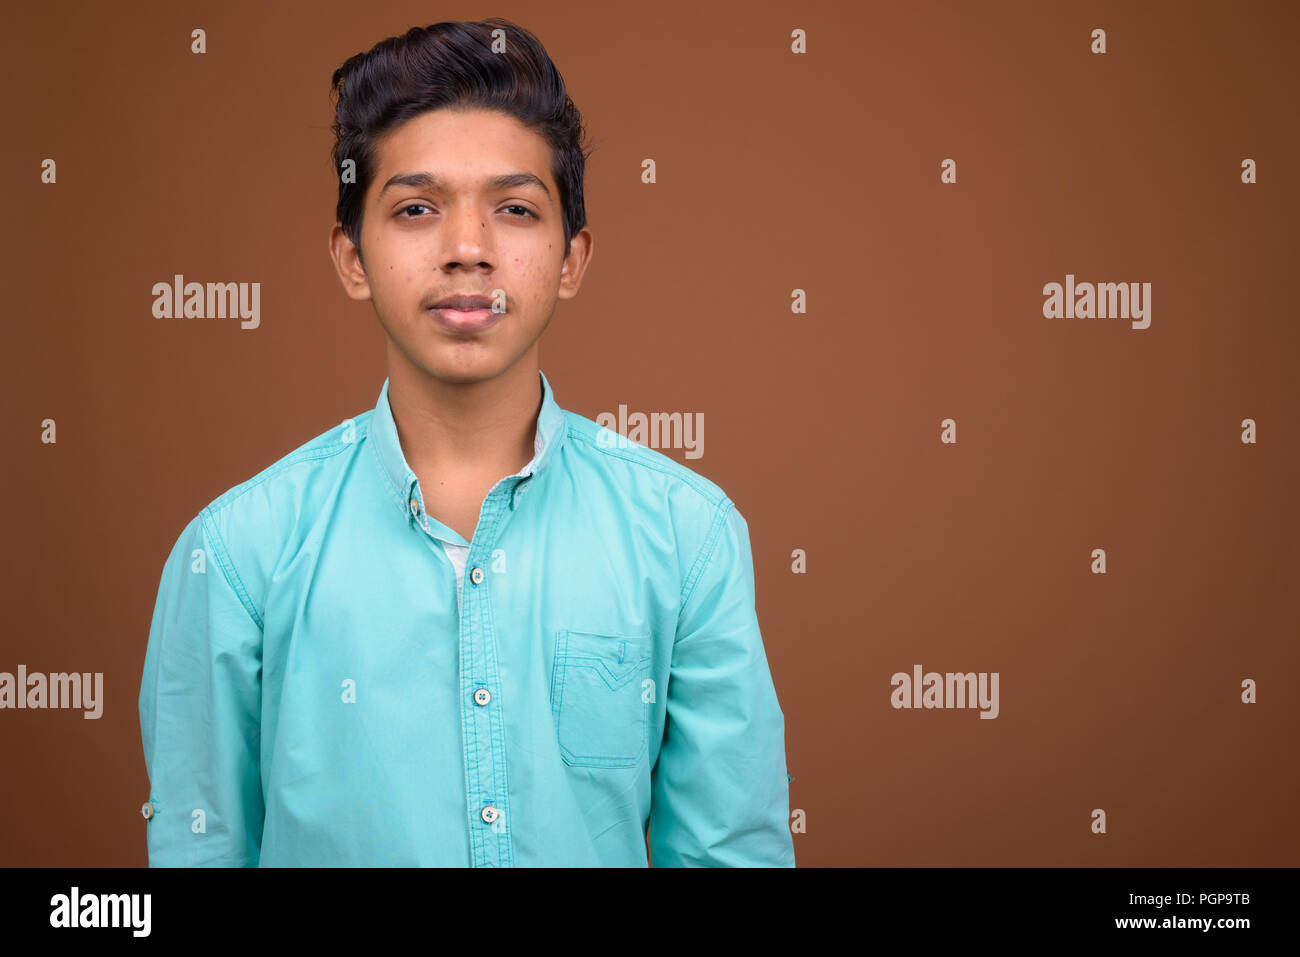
{"x":462,"y":148}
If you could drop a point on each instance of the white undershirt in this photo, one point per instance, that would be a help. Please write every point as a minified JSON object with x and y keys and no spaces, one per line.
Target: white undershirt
{"x":457,"y":552}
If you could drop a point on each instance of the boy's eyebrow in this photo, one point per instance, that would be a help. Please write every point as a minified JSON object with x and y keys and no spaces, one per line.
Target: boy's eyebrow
{"x":426,"y":180}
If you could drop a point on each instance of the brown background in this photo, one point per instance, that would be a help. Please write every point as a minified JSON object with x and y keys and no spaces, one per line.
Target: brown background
{"x":775,"y":171}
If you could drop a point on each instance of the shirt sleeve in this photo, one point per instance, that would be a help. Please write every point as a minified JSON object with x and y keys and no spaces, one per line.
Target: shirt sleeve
{"x":200,"y":702}
{"x":719,"y":790}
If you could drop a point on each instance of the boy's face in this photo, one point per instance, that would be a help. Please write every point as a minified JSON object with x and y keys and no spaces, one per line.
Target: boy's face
{"x":461,"y":235}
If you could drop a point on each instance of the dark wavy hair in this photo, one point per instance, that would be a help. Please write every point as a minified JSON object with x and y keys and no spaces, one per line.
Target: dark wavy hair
{"x":452,"y":64}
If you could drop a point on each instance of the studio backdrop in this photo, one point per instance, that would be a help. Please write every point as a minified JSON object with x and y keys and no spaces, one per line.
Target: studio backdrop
{"x":983,"y":315}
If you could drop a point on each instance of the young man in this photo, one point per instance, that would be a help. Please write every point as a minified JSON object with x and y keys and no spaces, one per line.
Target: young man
{"x":467,"y":627}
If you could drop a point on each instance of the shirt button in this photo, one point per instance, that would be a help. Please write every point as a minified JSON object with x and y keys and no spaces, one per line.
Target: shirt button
{"x":490,"y":813}
{"x":415,"y":507}
{"x":482,"y":696}
{"x":476,"y":576}
{"x":147,"y":810}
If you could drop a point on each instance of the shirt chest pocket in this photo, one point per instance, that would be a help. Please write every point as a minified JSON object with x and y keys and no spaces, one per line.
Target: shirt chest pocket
{"x":596,"y":698}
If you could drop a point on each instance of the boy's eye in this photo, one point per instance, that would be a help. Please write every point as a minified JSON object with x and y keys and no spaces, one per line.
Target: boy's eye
{"x":406,"y":209}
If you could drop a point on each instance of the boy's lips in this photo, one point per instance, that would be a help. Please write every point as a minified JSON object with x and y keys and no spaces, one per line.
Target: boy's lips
{"x":465,"y":320}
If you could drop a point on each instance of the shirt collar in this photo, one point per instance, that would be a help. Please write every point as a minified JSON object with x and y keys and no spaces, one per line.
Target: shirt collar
{"x":550,"y":432}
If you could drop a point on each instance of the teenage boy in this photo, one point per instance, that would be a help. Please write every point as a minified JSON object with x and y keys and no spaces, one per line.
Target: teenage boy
{"x":466,"y":627}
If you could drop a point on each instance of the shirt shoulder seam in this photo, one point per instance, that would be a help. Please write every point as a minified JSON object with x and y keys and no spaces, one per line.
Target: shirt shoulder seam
{"x":706,"y":552}
{"x":227,"y":565}
{"x":308,"y":454}
{"x":685,"y":476}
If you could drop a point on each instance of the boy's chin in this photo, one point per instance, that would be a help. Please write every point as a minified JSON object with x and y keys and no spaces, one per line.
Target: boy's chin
{"x":463,"y":365}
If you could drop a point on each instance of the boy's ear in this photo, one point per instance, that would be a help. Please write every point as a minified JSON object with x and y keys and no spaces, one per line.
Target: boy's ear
{"x":575,"y":264}
{"x":348,"y":264}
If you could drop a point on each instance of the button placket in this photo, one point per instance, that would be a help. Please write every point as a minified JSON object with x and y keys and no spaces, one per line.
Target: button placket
{"x":484,"y":738}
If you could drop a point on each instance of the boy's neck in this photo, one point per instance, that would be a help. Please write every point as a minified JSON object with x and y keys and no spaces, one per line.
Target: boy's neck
{"x":476,"y":428}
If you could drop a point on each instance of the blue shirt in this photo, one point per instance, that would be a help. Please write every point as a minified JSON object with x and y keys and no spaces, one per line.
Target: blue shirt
{"x":334,"y":677}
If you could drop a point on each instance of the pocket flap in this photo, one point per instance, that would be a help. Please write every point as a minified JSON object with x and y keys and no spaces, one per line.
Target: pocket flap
{"x":616,"y":658}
